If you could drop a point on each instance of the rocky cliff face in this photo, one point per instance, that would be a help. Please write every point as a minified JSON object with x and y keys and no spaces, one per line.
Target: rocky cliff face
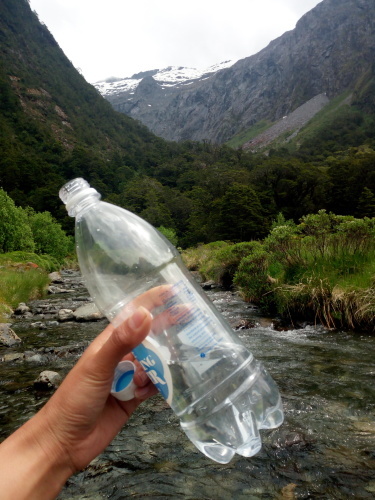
{"x":330,"y":48}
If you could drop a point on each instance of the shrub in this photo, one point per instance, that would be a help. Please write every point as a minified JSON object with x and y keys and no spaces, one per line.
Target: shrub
{"x":224,"y":262}
{"x":320,"y":226}
{"x":357,"y":234}
{"x":15,"y":232}
{"x":284,"y":242}
{"x":252,"y":278}
{"x":48,"y":235}
{"x":170,"y":234}
{"x":195,"y":257}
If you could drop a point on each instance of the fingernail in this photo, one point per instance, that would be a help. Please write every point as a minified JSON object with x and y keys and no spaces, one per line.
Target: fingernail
{"x":138,"y":317}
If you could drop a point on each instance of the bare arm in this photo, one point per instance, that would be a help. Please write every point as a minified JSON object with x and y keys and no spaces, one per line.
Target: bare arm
{"x":79,"y":420}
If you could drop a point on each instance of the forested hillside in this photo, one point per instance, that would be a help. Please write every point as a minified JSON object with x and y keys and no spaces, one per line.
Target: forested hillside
{"x":55,"y":126}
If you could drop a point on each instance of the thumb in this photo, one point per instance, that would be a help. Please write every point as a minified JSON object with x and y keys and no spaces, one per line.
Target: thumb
{"x":123,"y":340}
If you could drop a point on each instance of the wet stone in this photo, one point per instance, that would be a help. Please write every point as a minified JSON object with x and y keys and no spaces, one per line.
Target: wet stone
{"x":88,"y":312}
{"x":65,"y":315}
{"x":56,"y":277}
{"x":7,"y":336}
{"x":35,"y":358}
{"x":22,"y":308}
{"x":39,"y":324}
{"x":47,"y":380}
{"x":14,"y":356}
{"x":55,"y":289}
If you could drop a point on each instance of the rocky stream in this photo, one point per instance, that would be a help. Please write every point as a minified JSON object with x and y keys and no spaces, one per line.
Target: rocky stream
{"x":325,"y":448}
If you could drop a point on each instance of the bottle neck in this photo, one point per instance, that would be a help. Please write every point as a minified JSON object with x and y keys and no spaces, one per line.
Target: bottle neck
{"x":78,"y":196}
{"x":83,"y":205}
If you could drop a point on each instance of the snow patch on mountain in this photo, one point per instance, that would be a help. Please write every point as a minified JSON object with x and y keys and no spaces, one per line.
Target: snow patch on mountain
{"x":172,"y":76}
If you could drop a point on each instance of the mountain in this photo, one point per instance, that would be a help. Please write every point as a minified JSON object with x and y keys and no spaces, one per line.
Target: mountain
{"x":177,"y":77}
{"x":330,"y":49}
{"x":54,"y":126}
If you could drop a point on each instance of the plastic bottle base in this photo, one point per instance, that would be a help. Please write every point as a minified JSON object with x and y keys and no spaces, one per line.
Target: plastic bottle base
{"x":217,"y":452}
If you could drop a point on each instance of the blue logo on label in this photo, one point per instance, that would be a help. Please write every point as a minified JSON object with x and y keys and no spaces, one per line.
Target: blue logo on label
{"x":154,"y":368}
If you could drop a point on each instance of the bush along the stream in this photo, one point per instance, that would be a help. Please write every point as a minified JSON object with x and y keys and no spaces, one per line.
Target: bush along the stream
{"x":320,"y":270}
{"x":32,"y":244}
{"x":23,"y":229}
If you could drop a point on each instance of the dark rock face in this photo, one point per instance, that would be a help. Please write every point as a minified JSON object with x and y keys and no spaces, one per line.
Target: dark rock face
{"x":330,"y":48}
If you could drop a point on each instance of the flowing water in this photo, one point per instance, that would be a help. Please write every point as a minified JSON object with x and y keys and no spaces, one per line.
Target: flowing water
{"x":324,"y":449}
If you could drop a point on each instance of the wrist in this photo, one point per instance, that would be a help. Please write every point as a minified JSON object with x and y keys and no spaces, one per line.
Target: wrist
{"x":33,"y":466}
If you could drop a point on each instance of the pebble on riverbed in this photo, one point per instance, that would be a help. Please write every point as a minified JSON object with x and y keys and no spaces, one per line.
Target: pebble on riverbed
{"x":65,"y":315}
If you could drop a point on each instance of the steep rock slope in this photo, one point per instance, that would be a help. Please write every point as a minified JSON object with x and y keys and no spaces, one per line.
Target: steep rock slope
{"x":329,"y":49}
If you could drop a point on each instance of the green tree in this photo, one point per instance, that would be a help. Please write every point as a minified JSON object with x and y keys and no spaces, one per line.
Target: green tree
{"x":15,"y":232}
{"x":366,"y":203}
{"x":170,"y":234}
{"x":48,"y":236}
{"x":198,"y":220}
{"x":237,"y":216}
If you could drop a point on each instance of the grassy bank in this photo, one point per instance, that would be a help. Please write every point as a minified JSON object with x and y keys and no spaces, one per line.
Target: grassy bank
{"x":321,"y":270}
{"x":23,"y":277}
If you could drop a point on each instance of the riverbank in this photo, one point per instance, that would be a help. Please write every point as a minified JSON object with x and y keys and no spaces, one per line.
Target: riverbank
{"x":23,"y":276}
{"x":321,"y":271}
{"x":324,"y":449}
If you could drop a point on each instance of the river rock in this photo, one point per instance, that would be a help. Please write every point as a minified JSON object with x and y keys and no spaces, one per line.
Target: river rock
{"x":39,"y":324}
{"x":52,"y":323}
{"x":65,"y":315}
{"x":8,"y":336}
{"x":244,"y":324}
{"x":12,"y":356}
{"x":88,"y":312}
{"x":209,"y":285}
{"x":35,"y":358}
{"x":47,"y":380}
{"x":291,"y":438}
{"x":55,"y":277}
{"x":22,"y":309}
{"x":55,"y":289}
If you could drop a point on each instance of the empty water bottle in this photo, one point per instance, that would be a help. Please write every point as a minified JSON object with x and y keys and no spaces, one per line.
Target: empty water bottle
{"x":220,"y":392}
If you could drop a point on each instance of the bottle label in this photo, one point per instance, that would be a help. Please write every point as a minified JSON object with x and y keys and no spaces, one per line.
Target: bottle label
{"x":156,"y":367}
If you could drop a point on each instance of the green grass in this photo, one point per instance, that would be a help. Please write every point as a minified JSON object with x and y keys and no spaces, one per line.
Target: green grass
{"x":21,"y":281}
{"x":241,"y":138}
{"x":195,"y":257}
{"x":21,"y":285}
{"x":45,"y":262}
{"x":336,"y":290}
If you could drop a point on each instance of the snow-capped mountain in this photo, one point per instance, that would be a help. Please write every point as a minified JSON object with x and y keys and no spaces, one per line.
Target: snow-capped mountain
{"x":328,"y":51}
{"x":171,"y":76}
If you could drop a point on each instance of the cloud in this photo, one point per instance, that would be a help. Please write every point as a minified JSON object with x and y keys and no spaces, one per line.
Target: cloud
{"x":119,"y":38}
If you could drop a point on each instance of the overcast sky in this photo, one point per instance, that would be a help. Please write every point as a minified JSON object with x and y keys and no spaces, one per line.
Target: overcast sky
{"x":106,"y":38}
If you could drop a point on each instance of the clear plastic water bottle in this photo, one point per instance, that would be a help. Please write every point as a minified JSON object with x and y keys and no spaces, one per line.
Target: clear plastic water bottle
{"x":222,"y":395}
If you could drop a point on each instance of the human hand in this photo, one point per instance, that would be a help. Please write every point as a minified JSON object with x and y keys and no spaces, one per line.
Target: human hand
{"x":79,"y":420}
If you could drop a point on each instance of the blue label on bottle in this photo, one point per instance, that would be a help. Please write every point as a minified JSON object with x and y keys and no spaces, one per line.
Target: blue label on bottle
{"x":156,"y":368}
